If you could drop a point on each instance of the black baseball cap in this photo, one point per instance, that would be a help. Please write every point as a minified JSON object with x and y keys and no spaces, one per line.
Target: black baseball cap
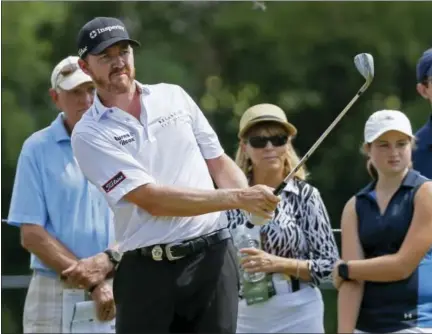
{"x":100,"y":33}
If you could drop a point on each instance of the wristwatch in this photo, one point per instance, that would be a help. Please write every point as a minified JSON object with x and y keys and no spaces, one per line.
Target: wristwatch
{"x":343,"y":271}
{"x":114,"y":257}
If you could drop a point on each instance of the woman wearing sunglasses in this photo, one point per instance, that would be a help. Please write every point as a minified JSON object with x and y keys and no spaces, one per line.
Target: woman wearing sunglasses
{"x":298,"y":248}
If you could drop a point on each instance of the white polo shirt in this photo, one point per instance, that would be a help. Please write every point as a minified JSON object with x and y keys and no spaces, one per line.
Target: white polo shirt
{"x":117,"y":153}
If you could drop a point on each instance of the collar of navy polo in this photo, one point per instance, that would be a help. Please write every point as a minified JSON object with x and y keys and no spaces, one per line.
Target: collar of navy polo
{"x":409,"y":181}
{"x":98,"y":109}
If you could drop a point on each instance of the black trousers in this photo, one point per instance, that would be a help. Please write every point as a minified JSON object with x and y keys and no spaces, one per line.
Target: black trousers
{"x":195,"y":294}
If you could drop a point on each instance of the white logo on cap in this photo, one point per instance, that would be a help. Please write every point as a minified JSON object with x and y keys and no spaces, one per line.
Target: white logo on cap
{"x":96,"y":32}
{"x":81,"y":51}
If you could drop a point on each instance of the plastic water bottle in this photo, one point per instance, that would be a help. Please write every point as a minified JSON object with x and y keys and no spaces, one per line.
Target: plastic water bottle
{"x":248,"y":236}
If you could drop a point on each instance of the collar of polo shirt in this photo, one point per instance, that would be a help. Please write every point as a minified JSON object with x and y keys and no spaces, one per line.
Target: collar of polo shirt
{"x":59,"y":131}
{"x":99,"y":109}
{"x":409,"y":181}
{"x":292,"y":187}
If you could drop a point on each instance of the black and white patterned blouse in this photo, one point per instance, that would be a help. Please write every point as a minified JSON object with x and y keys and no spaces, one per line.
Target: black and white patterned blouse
{"x":301,"y":229}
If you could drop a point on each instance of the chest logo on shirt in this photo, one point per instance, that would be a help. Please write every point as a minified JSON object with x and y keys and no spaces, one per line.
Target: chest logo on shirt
{"x":114,"y":182}
{"x":124,"y":138}
{"x":166,"y":120}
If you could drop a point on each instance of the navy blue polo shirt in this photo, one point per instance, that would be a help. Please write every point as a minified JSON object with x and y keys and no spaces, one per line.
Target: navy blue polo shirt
{"x":393,"y":306}
{"x":422,"y":156}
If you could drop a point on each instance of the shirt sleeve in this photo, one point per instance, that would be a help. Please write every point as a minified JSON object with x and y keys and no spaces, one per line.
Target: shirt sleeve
{"x":28,"y":201}
{"x":206,"y":137}
{"x":114,"y":171}
{"x":235,"y":218}
{"x":319,"y":235}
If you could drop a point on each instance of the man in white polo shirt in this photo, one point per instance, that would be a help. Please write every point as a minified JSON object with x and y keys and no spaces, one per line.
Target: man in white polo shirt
{"x":152,"y":152}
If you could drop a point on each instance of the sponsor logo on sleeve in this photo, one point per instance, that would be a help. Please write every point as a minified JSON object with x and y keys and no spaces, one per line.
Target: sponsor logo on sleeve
{"x":114,"y":182}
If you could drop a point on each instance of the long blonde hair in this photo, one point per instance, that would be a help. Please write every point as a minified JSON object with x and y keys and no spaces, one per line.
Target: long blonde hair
{"x":291,"y":158}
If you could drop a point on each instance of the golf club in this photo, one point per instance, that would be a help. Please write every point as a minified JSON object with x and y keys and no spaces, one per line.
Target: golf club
{"x":365,"y":65}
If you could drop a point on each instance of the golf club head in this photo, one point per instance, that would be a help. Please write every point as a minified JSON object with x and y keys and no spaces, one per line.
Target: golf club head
{"x":365,"y":65}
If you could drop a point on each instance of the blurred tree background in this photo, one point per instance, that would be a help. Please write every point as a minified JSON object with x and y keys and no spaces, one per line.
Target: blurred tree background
{"x":228,"y":56}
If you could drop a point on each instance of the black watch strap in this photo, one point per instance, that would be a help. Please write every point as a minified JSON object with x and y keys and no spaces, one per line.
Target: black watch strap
{"x":113,"y":256}
{"x":343,"y":271}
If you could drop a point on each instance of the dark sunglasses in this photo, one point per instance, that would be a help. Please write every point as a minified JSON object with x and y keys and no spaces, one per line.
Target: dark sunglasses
{"x":261,"y":142}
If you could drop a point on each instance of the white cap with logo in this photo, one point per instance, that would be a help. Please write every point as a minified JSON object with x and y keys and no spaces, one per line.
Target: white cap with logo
{"x":67,"y":74}
{"x":383,"y":121}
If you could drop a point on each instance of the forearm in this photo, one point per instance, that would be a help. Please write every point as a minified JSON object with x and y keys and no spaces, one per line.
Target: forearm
{"x":349,"y":301}
{"x":294,"y":267}
{"x":184,"y":202}
{"x":226,"y":173}
{"x":49,"y":250}
{"x":102,"y":261}
{"x":380,"y":269}
{"x":233,"y":178}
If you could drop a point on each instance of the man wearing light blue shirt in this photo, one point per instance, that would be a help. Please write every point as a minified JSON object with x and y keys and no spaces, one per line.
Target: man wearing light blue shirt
{"x":62,"y":217}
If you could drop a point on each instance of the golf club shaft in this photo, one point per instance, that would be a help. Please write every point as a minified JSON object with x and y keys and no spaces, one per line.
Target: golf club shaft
{"x":279,"y":189}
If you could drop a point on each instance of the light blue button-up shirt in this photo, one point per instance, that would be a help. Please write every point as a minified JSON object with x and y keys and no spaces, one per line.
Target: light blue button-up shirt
{"x":51,"y":191}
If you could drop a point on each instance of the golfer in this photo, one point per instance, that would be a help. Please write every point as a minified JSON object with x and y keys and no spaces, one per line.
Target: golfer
{"x":152,"y":153}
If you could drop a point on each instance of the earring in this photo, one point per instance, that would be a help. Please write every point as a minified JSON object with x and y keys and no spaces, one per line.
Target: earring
{"x":249,"y":164}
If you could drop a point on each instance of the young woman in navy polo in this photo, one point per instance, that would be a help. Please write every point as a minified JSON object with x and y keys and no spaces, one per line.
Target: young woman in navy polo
{"x":385,"y":278}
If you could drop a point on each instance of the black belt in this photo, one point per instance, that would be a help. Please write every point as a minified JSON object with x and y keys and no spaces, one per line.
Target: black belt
{"x":177,"y":250}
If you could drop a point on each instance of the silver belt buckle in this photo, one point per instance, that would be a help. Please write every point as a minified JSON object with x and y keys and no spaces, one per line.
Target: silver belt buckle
{"x":168,"y":251}
{"x":157,"y":253}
